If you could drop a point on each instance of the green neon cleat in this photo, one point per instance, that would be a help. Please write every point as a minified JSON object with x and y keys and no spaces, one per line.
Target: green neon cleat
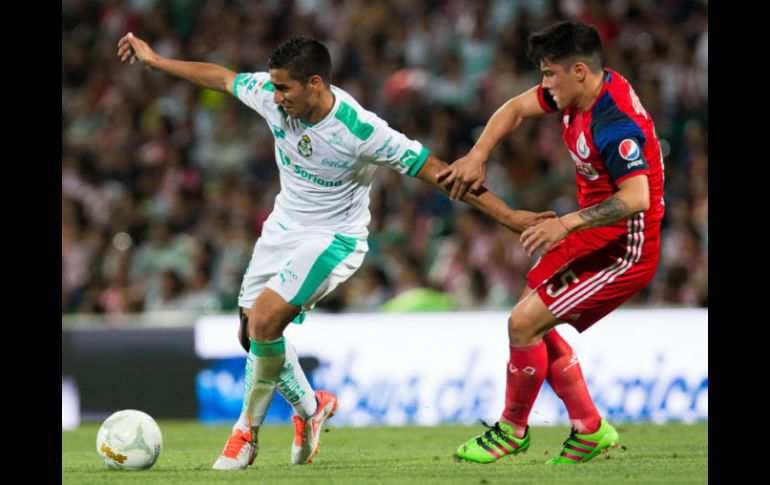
{"x":495,"y":443}
{"x":579,"y":448}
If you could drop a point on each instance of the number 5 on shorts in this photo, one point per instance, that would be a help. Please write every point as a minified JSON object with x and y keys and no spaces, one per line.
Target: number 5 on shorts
{"x":567,"y":275}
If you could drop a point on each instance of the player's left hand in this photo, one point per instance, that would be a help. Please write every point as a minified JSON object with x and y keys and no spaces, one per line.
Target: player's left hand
{"x":545,"y":234}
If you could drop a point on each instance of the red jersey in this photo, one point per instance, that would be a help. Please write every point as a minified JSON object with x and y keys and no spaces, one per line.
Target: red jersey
{"x":613,"y":140}
{"x":593,"y":271}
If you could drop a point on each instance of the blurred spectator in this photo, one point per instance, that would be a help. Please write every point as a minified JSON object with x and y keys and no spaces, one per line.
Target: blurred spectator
{"x":199,"y":296}
{"x":369,"y":290}
{"x":165,"y":187}
{"x":162,"y":251}
{"x":168,"y":293}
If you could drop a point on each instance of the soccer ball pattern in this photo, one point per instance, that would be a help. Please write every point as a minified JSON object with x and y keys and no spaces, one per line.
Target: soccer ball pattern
{"x":129,"y":440}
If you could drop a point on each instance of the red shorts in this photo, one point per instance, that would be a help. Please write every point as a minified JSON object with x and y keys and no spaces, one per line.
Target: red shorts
{"x":591,"y":272}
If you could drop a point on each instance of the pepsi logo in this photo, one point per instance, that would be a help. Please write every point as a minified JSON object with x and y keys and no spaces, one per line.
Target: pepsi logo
{"x":629,"y":149}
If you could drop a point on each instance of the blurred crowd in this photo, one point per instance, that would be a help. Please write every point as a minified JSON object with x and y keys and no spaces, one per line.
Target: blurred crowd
{"x":165,"y":186}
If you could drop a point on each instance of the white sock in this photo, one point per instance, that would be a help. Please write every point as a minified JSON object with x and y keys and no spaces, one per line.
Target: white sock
{"x":263,"y":367}
{"x":294,"y":386}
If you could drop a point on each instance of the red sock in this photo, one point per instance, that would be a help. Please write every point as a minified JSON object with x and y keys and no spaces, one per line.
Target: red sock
{"x":566,"y":379}
{"x":527,"y":368}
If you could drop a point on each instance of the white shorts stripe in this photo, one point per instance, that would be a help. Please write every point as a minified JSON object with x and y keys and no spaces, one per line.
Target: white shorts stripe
{"x":588,"y":289}
{"x":612,"y":267}
{"x":634,"y":250}
{"x":604,"y":276}
{"x":599,"y":280}
{"x":641,"y":236}
{"x":608,"y":278}
{"x":572,"y":293}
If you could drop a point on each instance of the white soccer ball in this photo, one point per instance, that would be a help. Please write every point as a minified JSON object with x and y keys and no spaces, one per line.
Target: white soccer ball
{"x":129,"y":440}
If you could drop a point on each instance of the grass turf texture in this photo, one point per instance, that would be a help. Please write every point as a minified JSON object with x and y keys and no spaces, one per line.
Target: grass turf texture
{"x":673,"y":453}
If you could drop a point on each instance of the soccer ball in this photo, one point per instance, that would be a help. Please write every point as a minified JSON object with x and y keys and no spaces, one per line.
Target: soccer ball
{"x":129,"y":440}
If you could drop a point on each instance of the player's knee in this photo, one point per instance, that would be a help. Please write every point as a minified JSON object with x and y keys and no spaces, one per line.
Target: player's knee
{"x":521,"y":330}
{"x":257,"y":325}
{"x":243,"y":330}
{"x":263,"y":328}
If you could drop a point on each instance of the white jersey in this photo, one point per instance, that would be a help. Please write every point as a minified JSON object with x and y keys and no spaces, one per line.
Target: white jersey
{"x":326,"y":169}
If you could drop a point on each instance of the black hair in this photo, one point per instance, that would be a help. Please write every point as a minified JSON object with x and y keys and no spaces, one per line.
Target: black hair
{"x":303,"y":57}
{"x":566,"y":41}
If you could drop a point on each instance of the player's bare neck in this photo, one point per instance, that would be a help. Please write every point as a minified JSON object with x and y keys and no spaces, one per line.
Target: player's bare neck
{"x":593,"y":87}
{"x":324,"y":106}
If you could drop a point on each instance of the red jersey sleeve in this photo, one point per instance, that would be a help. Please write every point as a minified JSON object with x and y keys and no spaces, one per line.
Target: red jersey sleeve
{"x":546,"y":100}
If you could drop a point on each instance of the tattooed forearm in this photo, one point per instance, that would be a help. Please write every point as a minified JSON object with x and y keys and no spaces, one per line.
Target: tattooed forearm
{"x":606,"y":212}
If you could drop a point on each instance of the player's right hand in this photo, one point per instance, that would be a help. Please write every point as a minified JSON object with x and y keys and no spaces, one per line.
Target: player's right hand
{"x":466,"y":173}
{"x":133,"y":48}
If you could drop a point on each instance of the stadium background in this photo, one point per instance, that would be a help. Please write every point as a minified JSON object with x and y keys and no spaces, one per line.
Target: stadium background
{"x":165,"y":186}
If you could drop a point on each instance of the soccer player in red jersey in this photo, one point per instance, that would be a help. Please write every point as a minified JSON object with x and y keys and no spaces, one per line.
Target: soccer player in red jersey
{"x":593,"y":259}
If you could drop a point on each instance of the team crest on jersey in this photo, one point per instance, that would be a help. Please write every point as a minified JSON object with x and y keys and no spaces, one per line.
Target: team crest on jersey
{"x":582,"y":146}
{"x":629,"y":150}
{"x":304,"y":146}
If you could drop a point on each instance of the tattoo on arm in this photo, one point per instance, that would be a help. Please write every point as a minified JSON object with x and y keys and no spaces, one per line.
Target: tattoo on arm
{"x":604,"y":213}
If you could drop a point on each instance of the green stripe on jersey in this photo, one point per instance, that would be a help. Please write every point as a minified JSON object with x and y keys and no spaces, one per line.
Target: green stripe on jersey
{"x":268,"y":86}
{"x":240,"y":78}
{"x":348,"y":116}
{"x":339,"y":249}
{"x":417,"y":164}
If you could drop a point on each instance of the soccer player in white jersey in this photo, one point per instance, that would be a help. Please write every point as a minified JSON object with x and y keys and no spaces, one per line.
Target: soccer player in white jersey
{"x":327,"y":148}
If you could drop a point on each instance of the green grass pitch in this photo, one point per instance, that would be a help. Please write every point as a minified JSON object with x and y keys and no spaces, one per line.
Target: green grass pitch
{"x":671,"y":454}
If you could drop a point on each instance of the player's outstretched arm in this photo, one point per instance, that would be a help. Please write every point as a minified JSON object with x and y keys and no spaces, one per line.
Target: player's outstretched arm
{"x":203,"y":74}
{"x":485,"y":201}
{"x":469,"y":172}
{"x":632,"y":197}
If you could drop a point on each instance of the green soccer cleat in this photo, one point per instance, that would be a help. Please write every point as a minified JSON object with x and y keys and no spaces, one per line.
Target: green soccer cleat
{"x":579,"y":448}
{"x":493,"y":444}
